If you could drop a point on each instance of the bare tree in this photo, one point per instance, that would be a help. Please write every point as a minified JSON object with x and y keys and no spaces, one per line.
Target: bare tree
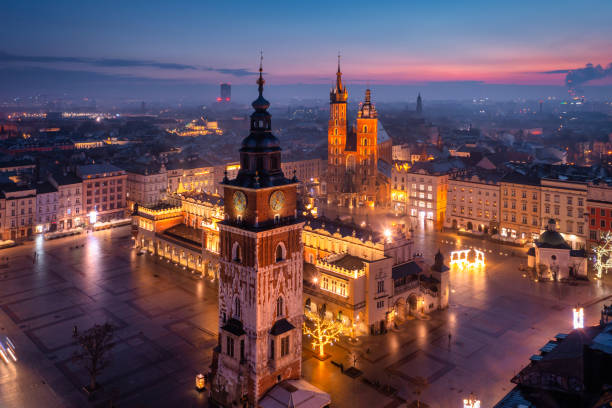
{"x":95,"y":345}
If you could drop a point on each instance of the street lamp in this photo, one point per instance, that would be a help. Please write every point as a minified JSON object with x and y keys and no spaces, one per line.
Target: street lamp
{"x":200,"y":382}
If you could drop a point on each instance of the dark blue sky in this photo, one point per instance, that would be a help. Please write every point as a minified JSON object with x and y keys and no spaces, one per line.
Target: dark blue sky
{"x":381,"y":41}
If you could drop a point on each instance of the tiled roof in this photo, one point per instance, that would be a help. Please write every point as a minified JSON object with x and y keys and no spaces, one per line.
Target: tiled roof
{"x":281,"y":326}
{"x":345,"y":229}
{"x":92,"y":169}
{"x":405,"y":269}
{"x":349,"y":262}
{"x":234,"y":326}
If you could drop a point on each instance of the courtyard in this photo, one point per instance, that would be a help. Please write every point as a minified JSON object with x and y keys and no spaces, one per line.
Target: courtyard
{"x":166,"y":321}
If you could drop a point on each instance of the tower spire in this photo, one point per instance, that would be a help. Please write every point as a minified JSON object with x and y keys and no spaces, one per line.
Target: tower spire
{"x":260,"y":80}
{"x":339,"y":76}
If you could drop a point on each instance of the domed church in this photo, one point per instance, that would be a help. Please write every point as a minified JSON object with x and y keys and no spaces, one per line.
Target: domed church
{"x":553,"y":258}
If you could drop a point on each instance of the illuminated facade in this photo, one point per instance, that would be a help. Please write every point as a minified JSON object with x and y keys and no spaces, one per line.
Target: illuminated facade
{"x":520,"y":208}
{"x":183,"y":230}
{"x":473,"y":203}
{"x":364,"y":278}
{"x":359,"y":158}
{"x":566,"y":202}
{"x":19,"y":205}
{"x":425,"y":186}
{"x":104,"y":190}
{"x":199,"y":127}
{"x":146,"y":185}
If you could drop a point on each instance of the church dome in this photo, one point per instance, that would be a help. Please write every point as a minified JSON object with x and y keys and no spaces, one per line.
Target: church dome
{"x":551,"y":238}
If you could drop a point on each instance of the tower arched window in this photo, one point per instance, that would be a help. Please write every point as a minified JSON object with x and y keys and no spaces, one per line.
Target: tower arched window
{"x":236,"y":253}
{"x":279,"y":307}
{"x":281,"y":252}
{"x":336,"y":123}
{"x":336,"y":131}
{"x":237,"y":310}
{"x":365,"y":129}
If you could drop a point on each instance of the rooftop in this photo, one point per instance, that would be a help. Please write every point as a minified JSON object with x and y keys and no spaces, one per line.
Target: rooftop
{"x":95,"y":169}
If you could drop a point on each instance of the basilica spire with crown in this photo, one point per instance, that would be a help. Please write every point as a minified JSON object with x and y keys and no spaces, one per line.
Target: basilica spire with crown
{"x":338,"y":94}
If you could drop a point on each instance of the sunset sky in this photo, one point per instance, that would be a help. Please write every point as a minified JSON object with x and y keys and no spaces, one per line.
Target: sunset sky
{"x":387,"y":42}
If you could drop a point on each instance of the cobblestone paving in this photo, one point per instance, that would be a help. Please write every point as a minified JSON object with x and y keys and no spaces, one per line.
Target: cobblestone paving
{"x":167,"y":326}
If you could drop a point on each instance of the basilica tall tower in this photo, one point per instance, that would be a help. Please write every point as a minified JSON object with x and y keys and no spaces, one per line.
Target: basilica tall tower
{"x":260,"y":285}
{"x":336,"y":135}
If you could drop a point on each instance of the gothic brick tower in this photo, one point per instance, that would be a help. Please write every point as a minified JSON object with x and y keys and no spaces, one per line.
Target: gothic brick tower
{"x":367,"y":149}
{"x":260,"y":284}
{"x":336,"y":136}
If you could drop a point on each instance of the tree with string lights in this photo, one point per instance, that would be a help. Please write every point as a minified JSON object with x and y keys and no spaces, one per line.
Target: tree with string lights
{"x":322,"y":331}
{"x":603,"y":255}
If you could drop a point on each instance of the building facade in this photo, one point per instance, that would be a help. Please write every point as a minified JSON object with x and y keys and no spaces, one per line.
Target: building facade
{"x":520,"y":208}
{"x":473,"y":203}
{"x":20,"y":212}
{"x":47,"y":198}
{"x":427,"y":192}
{"x":599,"y":210}
{"x":348,"y":272}
{"x":70,"y":209}
{"x":104,"y":192}
{"x":146,"y":185}
{"x":565,"y":201}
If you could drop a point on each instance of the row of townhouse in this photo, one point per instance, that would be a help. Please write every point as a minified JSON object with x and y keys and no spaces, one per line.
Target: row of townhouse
{"x":518,"y":207}
{"x":94,"y":193}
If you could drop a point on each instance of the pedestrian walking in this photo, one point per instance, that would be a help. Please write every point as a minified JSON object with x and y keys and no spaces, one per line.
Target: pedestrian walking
{"x":75,"y":331}
{"x":449,"y":340}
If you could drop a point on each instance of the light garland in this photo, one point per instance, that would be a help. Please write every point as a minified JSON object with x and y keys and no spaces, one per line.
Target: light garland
{"x":601,"y":251}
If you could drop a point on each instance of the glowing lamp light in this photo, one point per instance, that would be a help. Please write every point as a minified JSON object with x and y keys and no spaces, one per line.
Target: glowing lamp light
{"x":315,"y":280}
{"x":578,"y":318}
{"x":471,"y":402}
{"x":93,"y":217}
{"x":200,"y":382}
{"x":387,"y":233}
{"x":459,"y":259}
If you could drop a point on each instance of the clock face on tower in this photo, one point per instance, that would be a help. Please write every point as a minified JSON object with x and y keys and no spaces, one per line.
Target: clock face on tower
{"x":277,"y":200}
{"x":240,"y":201}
